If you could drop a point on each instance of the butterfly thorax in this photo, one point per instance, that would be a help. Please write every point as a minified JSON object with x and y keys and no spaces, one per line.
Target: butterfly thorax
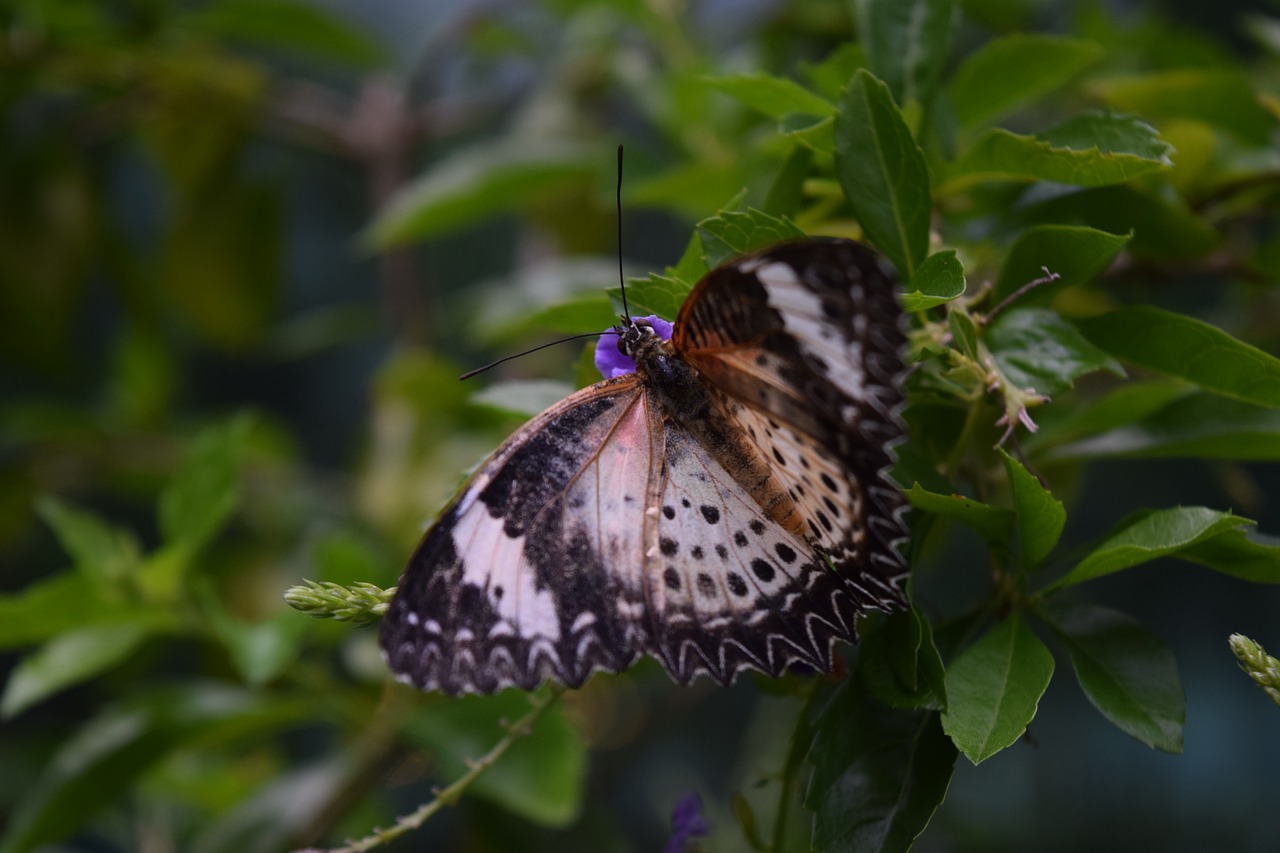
{"x":686,"y":399}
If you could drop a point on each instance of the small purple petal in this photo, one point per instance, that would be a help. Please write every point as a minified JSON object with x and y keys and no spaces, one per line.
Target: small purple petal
{"x":610,"y":362}
{"x":687,"y":823}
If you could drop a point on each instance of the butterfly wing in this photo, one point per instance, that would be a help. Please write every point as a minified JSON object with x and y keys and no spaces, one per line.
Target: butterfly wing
{"x":802,"y":344}
{"x":534,"y":570}
{"x":729,"y":587}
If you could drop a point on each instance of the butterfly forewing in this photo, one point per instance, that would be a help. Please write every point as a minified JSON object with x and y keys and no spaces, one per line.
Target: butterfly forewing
{"x":534,"y":570}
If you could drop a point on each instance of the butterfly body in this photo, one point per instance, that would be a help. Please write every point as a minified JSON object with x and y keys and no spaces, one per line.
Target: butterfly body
{"x":722,"y":508}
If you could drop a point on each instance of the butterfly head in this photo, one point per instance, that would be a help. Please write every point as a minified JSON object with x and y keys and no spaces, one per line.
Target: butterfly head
{"x":616,"y":349}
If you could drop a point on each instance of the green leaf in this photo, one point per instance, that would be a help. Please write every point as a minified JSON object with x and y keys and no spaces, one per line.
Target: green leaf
{"x":878,"y":773}
{"x":1040,"y":516}
{"x":833,"y":73}
{"x":541,"y":775}
{"x":819,"y":136}
{"x":1123,"y":405}
{"x":776,"y":97}
{"x":1244,"y":554}
{"x":964,"y":334}
{"x":206,"y":489}
{"x":883,"y":173}
{"x":475,"y":183}
{"x":527,"y":397}
{"x":1075,"y":254}
{"x":1089,"y":151}
{"x":104,"y":759}
{"x":907,"y":44}
{"x":1038,"y":349}
{"x":657,"y":294}
{"x":900,"y":664}
{"x":731,"y":233}
{"x":1011,"y":72}
{"x":939,"y":279}
{"x":994,"y":688}
{"x":102,"y":552}
{"x":1163,"y":227}
{"x":1152,"y":534}
{"x":69,"y":659}
{"x":1223,"y":98}
{"x":994,"y":524}
{"x":63,"y":603}
{"x":1188,"y":349}
{"x":1110,"y":133}
{"x":1198,"y":425}
{"x":290,"y":25}
{"x":260,"y":651}
{"x":786,"y":193}
{"x":1126,"y":671}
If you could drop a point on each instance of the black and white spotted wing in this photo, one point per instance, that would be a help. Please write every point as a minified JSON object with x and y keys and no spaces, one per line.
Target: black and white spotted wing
{"x":722,"y":508}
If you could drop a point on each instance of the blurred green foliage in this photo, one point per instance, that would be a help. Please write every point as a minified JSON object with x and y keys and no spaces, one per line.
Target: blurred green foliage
{"x":244,"y":245}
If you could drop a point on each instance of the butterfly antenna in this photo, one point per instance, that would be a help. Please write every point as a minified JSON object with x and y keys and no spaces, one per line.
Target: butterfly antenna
{"x":622,"y":281}
{"x":494,"y":364}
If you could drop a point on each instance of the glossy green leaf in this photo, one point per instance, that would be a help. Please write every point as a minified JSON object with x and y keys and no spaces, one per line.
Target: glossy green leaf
{"x":1040,"y":516}
{"x":878,"y":773}
{"x":1245,"y":554}
{"x":1197,"y":425}
{"x":994,"y":524}
{"x":205,"y":491}
{"x":900,"y":664}
{"x":475,"y":183}
{"x":104,"y":759}
{"x":731,"y":233}
{"x":102,"y":552}
{"x":1127,"y":673}
{"x":541,"y":776}
{"x":69,"y":659}
{"x":883,"y":173}
{"x":1014,"y":71}
{"x":907,"y":44}
{"x":939,"y":279}
{"x":776,"y":97}
{"x":1036,"y":348}
{"x":1091,"y":152}
{"x":994,"y":688}
{"x":1076,"y":255}
{"x":1188,"y":349}
{"x":1157,"y":533}
{"x":1223,"y":98}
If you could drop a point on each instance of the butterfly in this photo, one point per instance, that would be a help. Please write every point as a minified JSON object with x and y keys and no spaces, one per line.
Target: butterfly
{"x":724,"y":507}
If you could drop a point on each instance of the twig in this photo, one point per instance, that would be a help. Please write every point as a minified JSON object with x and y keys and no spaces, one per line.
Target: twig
{"x":451,"y":794}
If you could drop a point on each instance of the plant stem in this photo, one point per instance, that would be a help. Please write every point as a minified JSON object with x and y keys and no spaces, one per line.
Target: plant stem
{"x":450,"y":795}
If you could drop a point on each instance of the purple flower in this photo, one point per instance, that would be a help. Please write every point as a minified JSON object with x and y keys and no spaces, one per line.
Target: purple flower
{"x":687,"y":823}
{"x":612,"y":363}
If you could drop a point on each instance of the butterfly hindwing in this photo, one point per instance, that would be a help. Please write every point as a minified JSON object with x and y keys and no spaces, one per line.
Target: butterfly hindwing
{"x":803,"y":342}
{"x":730,"y":587}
